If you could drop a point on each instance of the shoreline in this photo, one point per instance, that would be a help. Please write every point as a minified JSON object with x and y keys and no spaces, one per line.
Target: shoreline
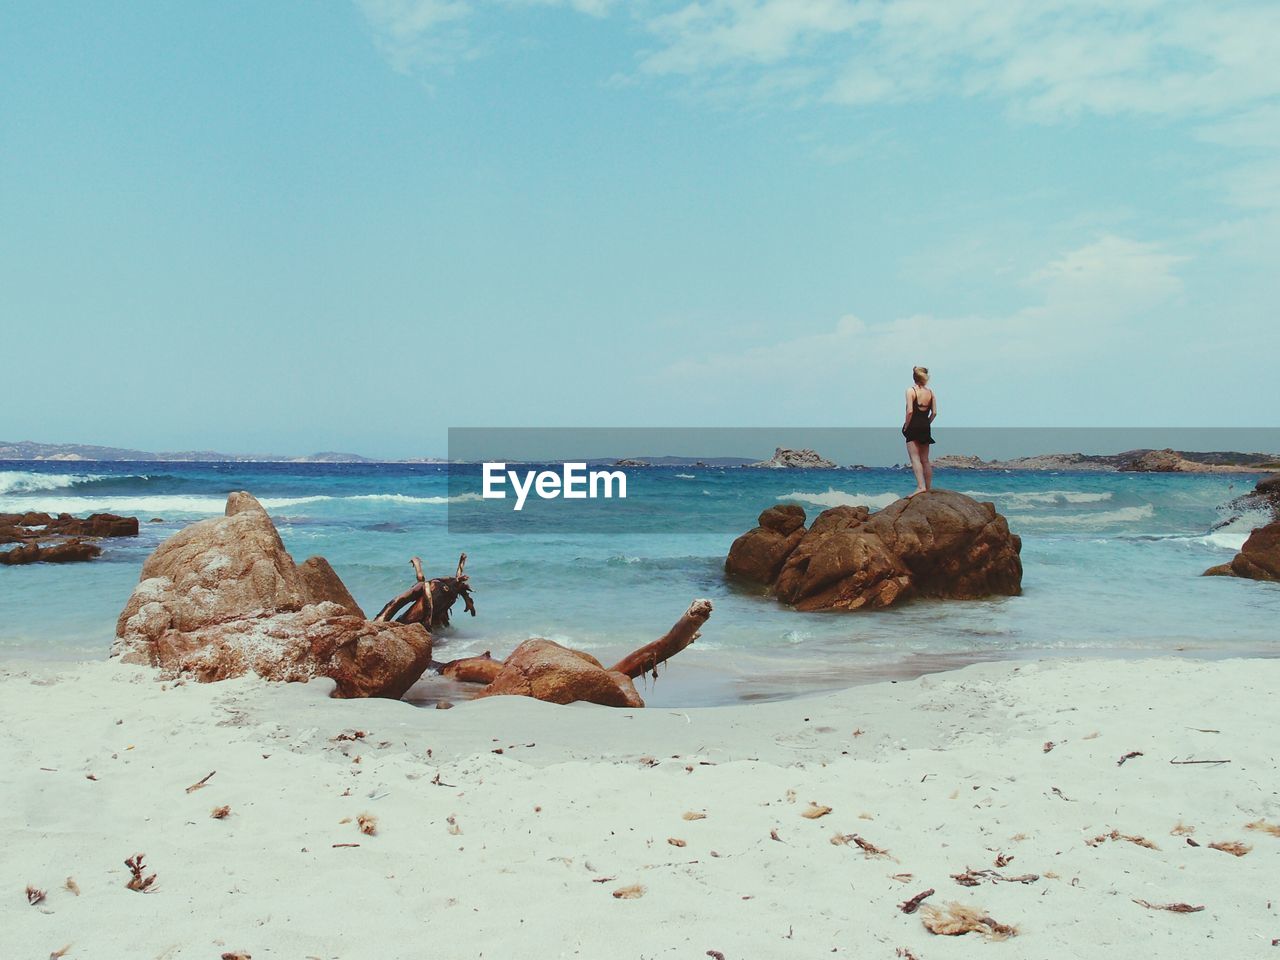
{"x":495,"y":819}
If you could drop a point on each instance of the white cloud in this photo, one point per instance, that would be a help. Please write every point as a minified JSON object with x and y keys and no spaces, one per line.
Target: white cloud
{"x":1090,"y":299}
{"x":412,"y":33}
{"x":1048,"y":58}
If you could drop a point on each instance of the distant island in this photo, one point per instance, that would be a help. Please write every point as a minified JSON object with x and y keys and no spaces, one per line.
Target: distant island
{"x":1131,"y":461}
{"x":72,"y":452}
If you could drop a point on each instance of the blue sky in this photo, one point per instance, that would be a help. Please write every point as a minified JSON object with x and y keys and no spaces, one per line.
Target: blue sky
{"x":298,"y":226}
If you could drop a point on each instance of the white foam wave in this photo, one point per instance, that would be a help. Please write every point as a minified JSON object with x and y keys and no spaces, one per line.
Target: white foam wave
{"x":1102,"y":518}
{"x":197,"y":505}
{"x":1025,"y":498}
{"x":23,"y":481}
{"x":686,"y":476}
{"x":843,"y":498}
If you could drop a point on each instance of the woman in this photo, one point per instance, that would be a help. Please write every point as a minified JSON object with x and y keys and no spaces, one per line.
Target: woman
{"x":922,"y":408}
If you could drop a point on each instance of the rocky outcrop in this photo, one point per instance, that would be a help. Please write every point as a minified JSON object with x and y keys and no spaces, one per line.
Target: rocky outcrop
{"x":1258,"y":559}
{"x":67,"y":551}
{"x":1134,"y":461}
{"x":222,"y":597}
{"x":62,"y":539}
{"x":1265,"y":497}
{"x":784,"y":458}
{"x":936,"y":544}
{"x":758,"y":554}
{"x":545,"y":670}
{"x":1164,"y":461}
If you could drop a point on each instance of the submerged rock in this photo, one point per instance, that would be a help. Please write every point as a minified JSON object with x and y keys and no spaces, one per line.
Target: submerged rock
{"x":222,"y":597}
{"x":1258,"y":559}
{"x":61,"y":539}
{"x":936,"y":544}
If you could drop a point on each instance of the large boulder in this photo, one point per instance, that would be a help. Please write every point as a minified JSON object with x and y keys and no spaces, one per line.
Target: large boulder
{"x":222,"y":597}
{"x":547,"y":671}
{"x":1258,"y":559}
{"x":936,"y":544}
{"x":758,"y":554}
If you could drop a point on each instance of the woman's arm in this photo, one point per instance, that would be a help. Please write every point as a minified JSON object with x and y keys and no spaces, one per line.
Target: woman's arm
{"x":933,"y":407}
{"x":907,"y":419}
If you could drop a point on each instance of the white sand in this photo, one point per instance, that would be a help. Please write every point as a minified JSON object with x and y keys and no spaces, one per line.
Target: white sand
{"x":948,"y":771}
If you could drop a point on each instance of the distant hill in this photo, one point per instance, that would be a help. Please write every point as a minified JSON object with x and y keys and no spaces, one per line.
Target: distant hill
{"x":29,"y":450}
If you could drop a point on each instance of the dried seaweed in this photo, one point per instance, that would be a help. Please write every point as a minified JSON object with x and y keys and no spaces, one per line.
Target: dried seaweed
{"x":633,"y":892}
{"x":136,"y":868}
{"x":220,"y":813}
{"x":676,"y":842}
{"x":1181,"y":829}
{"x":695,"y":815}
{"x":1117,"y":835}
{"x":1129,"y":756}
{"x":958,"y":919}
{"x":1171,"y":907}
{"x":912,"y":905}
{"x":1263,"y":827}
{"x":72,"y":885}
{"x":1233,"y":847}
{"x":199,"y":784}
{"x":814,"y":811}
{"x":368,"y":824}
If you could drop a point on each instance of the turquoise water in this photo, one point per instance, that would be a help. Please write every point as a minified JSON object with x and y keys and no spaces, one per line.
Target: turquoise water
{"x":1112,"y":564}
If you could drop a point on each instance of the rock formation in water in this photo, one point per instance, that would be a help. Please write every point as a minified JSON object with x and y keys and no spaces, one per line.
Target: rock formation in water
{"x":783,"y":458}
{"x":222,"y":597}
{"x":1133,"y":461}
{"x":1258,"y":559}
{"x":43,"y":538}
{"x":936,"y":544}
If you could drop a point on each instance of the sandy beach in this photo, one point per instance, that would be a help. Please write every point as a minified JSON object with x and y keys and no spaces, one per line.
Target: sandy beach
{"x":513,"y":828}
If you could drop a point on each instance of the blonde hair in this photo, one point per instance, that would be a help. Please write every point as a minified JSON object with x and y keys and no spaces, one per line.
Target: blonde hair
{"x":920,"y":375}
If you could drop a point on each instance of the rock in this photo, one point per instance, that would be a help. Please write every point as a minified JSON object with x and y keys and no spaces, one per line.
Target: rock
{"x":784,"y":458}
{"x":323,"y":584}
{"x":757,"y":555}
{"x":222,"y":597}
{"x":1258,"y":559}
{"x":1264,"y":497}
{"x":70,"y":551}
{"x":547,"y":671}
{"x":628,"y":462}
{"x":937,"y":544}
{"x":1164,"y":461}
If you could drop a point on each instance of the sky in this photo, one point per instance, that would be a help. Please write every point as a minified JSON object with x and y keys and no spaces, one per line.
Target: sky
{"x":300,"y":226}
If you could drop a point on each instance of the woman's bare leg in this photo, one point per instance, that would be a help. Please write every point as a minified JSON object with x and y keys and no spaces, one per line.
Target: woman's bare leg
{"x":913,"y":451}
{"x":926,"y":466}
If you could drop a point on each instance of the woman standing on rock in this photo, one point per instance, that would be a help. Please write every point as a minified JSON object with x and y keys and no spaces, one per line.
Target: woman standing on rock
{"x":922,"y":407}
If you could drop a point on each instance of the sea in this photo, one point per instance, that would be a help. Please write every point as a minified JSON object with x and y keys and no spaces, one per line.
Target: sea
{"x":1112,"y":565}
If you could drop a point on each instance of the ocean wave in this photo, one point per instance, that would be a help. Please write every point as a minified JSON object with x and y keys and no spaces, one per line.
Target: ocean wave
{"x":686,"y":476}
{"x":199,"y":505}
{"x":1025,"y":498}
{"x":841,"y":498}
{"x":23,"y":481}
{"x":1101,"y":518}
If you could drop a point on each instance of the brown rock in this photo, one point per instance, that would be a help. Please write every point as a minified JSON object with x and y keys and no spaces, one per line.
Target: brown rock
{"x":547,"y":671}
{"x":1258,"y":559}
{"x":757,"y":555}
{"x":70,"y":551}
{"x":222,"y":597}
{"x":936,"y":544}
{"x":323,"y":583}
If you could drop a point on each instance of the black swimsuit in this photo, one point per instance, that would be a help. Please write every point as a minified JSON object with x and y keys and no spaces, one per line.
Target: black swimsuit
{"x":917,"y":428}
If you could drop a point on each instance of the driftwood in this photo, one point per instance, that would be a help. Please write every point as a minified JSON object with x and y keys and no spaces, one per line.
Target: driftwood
{"x":429,"y":602}
{"x":684,"y":632}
